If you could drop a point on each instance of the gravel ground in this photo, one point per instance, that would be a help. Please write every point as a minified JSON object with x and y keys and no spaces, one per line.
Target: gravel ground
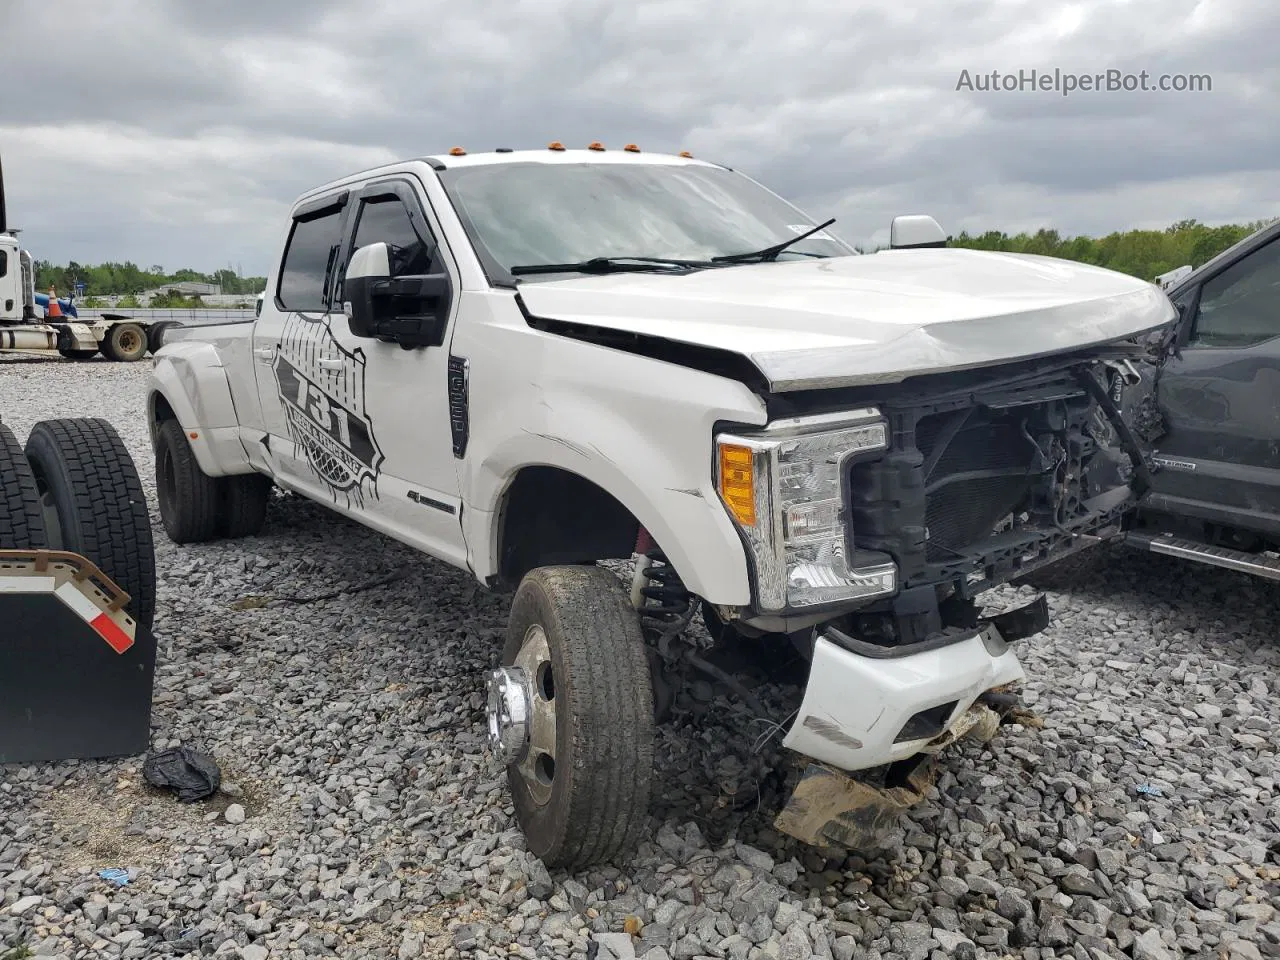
{"x":362,"y":817}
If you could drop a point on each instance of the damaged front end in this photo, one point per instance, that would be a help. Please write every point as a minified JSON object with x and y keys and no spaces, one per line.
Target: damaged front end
{"x":829,"y":806}
{"x":983,"y":478}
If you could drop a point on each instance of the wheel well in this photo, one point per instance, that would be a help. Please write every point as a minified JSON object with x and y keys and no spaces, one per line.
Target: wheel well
{"x":160,"y":412}
{"x":552,"y":516}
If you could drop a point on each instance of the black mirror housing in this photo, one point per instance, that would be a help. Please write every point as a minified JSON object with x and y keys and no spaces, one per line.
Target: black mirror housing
{"x":412,"y":311}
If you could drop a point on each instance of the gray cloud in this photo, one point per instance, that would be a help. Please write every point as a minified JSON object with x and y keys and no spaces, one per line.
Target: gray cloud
{"x":177,"y":133}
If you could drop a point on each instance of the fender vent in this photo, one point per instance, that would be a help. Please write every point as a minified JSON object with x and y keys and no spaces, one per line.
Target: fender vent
{"x":459,"y":425}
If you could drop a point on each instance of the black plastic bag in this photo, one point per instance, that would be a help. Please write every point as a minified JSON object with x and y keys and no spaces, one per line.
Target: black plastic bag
{"x":193,"y":774}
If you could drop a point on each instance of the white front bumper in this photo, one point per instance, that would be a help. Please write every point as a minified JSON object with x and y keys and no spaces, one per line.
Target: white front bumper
{"x":855,"y":706}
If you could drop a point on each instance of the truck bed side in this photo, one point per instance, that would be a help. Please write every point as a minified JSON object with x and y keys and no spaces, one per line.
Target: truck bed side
{"x":203,"y":377}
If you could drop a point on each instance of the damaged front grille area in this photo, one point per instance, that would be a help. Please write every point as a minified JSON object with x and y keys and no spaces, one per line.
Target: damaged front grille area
{"x":976,"y":484}
{"x":976,"y":471}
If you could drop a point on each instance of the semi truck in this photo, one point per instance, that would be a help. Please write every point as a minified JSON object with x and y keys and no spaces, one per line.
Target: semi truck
{"x":33,"y":321}
{"x":548,"y":367}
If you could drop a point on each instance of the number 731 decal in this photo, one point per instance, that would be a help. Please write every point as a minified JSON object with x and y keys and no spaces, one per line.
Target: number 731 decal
{"x":336,"y":438}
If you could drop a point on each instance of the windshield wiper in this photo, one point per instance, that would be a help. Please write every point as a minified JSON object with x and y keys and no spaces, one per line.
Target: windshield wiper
{"x":771,"y":253}
{"x":610,"y":265}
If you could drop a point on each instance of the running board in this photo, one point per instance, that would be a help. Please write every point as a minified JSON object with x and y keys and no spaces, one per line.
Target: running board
{"x":1256,"y":564}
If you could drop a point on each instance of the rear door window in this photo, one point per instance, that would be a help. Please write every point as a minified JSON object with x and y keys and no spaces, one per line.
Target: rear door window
{"x":308,"y":261}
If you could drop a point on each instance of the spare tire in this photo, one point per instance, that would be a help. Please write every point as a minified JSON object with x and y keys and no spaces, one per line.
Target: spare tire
{"x":21,"y":519}
{"x":94,"y":505}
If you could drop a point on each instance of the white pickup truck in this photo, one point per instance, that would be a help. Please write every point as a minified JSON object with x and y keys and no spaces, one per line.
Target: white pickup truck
{"x":525,"y":363}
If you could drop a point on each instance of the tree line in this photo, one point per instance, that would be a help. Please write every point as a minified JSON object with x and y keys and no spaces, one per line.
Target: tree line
{"x":124,"y":279}
{"x":1141,"y":253}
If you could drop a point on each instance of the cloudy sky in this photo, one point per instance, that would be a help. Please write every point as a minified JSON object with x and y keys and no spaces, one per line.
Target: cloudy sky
{"x":176,"y":133}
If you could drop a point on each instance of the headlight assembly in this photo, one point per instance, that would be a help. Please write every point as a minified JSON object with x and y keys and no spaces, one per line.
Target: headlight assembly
{"x":783,"y":487}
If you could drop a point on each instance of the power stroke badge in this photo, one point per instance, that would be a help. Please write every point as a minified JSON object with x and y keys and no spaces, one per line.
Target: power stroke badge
{"x":322,"y":391}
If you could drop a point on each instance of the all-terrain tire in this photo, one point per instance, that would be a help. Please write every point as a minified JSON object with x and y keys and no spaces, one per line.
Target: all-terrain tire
{"x":599,"y":800}
{"x":243,"y":510}
{"x":90,"y":489}
{"x":79,"y":354}
{"x":125,"y":342}
{"x":189,"y":498}
{"x":21,"y":519}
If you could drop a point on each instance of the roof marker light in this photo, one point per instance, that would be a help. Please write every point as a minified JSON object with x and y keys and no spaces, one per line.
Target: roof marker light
{"x":686,"y":154}
{"x":457,"y":152}
{"x":595,"y":145}
{"x":631,"y":148}
{"x":555,"y":145}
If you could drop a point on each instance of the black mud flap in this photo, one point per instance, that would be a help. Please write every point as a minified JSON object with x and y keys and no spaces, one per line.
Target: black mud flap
{"x":829,"y":807}
{"x":76,"y":672}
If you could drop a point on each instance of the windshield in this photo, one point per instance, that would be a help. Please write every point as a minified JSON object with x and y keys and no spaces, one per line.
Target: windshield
{"x":550,"y":213}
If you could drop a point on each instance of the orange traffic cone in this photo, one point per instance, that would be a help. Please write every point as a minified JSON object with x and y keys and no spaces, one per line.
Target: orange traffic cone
{"x":53,"y":311}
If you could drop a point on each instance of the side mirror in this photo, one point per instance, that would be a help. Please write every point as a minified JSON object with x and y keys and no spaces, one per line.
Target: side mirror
{"x":1166,"y":280}
{"x":412,"y":311}
{"x":917,"y":230}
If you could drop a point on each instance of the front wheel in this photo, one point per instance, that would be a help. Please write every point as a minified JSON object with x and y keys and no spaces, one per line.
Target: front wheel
{"x":571,"y":715}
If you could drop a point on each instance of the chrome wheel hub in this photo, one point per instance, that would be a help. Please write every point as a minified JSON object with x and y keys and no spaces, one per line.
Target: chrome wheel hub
{"x":521,"y":707}
{"x":508,"y":710}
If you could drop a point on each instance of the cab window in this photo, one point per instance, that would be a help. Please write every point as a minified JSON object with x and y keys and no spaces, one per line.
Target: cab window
{"x":4,"y":262}
{"x":387,"y":220}
{"x":1241,"y":305}
{"x":308,"y":257}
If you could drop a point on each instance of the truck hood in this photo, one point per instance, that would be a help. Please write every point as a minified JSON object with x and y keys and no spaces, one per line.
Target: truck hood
{"x":876,"y":318}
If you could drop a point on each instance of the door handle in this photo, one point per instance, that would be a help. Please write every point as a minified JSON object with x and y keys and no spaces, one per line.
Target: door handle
{"x":264,"y":353}
{"x":330,"y":363}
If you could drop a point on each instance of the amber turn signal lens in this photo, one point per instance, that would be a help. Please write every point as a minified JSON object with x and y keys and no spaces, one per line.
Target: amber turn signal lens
{"x":737,"y":483}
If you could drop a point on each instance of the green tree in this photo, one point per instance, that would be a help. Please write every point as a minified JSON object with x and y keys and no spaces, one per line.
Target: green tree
{"x":116,"y":279}
{"x":1142,"y":253}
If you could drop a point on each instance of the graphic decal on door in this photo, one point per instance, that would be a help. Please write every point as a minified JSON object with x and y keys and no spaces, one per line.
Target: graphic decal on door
{"x":322,"y":391}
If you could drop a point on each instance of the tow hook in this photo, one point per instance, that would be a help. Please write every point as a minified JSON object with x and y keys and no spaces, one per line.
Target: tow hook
{"x":508,"y":699}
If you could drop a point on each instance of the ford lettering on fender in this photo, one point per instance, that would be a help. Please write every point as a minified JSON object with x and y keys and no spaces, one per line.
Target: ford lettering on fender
{"x":837,"y":452}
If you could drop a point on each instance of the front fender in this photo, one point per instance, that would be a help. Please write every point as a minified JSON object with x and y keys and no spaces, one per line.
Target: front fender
{"x":190,"y":379}
{"x":641,"y":431}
